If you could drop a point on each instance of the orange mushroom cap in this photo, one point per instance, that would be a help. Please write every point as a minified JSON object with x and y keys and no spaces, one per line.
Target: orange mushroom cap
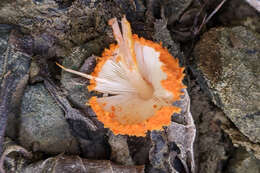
{"x":142,"y":79}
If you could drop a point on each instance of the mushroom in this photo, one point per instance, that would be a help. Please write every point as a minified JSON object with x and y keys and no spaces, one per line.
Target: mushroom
{"x":141,"y":80}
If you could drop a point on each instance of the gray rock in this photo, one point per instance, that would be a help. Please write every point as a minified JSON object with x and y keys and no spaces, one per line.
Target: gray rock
{"x":43,"y":126}
{"x":228,"y":69}
{"x":19,"y":160}
{"x":244,"y":15}
{"x":172,"y":149}
{"x":173,"y":9}
{"x":55,"y":29}
{"x":212,"y":147}
{"x":14,"y":68}
{"x":159,"y":152}
{"x":75,"y":85}
{"x":240,"y":140}
{"x":119,"y":149}
{"x":63,"y":163}
{"x":243,"y":162}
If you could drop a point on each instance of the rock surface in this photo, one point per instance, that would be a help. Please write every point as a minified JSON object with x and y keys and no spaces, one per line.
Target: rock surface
{"x":14,"y":68}
{"x":240,"y":140}
{"x":119,"y":149}
{"x":75,"y":85}
{"x":229,"y":61}
{"x":243,"y":162}
{"x":173,"y":9}
{"x":43,"y":126}
{"x":244,"y":15}
{"x":212,"y":146}
{"x":76,"y":164}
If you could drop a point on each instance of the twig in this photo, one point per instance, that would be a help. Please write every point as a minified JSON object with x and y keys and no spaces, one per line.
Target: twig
{"x":207,"y":18}
{"x":196,"y":30}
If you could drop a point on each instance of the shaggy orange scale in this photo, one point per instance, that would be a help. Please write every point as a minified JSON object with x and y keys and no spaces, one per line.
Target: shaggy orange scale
{"x":162,"y":117}
{"x":126,"y":70}
{"x":115,"y":126}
